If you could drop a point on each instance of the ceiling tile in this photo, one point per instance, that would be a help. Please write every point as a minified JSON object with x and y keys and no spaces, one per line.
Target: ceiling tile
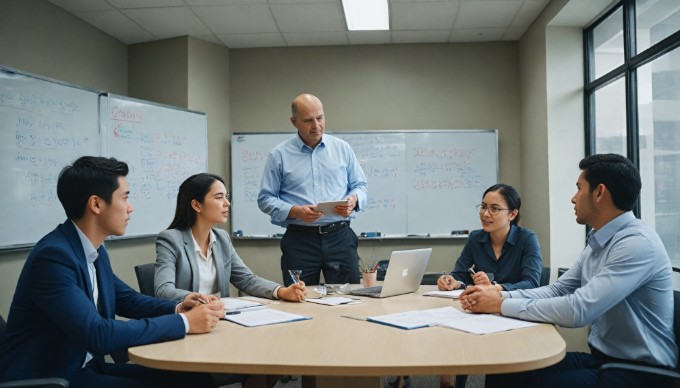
{"x":79,"y":6}
{"x":168,"y":22}
{"x":422,"y":16}
{"x":223,"y":2}
{"x":210,"y":38}
{"x":118,"y":25}
{"x":514,"y":33}
{"x":434,"y":36}
{"x":308,"y":17}
{"x":316,"y":39}
{"x":252,"y":40}
{"x":237,"y":19}
{"x":124,"y":4}
{"x":529,"y":12}
{"x":487,"y":13}
{"x":369,"y":37}
{"x":476,"y":34}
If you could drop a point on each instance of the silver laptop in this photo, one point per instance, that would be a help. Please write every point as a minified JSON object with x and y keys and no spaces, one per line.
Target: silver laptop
{"x":404,"y":274}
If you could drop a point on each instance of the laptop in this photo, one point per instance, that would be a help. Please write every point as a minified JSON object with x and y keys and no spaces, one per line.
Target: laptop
{"x":404,"y":274}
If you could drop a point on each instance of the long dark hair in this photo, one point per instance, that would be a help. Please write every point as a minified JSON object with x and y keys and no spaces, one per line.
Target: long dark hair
{"x":511,"y":197}
{"x":195,"y":187}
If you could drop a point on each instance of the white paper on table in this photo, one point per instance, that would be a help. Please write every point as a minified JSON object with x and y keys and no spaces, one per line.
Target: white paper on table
{"x":238,"y":304}
{"x":486,"y":323}
{"x":334,"y":300}
{"x":454,"y":294}
{"x":266,"y":316}
{"x":418,"y":318}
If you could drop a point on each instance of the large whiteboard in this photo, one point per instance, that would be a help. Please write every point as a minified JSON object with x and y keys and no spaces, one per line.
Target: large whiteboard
{"x":46,"y":124}
{"x":419,"y":182}
{"x":43,"y":124}
{"x":162,"y":146}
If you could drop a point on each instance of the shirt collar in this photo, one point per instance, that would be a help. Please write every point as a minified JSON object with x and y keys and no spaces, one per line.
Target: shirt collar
{"x":90,"y":251}
{"x":597,"y":239}
{"x":513,"y":235}
{"x":301,"y":144}
{"x":213,"y":239}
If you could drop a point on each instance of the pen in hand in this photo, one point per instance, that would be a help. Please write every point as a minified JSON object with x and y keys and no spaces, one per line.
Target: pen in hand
{"x":472,"y":270}
{"x":447,"y":279}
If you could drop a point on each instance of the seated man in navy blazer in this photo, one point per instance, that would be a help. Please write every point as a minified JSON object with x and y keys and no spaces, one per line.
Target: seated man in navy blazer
{"x":62,"y":318}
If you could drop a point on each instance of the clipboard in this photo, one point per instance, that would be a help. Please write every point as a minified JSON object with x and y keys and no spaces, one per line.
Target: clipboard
{"x":329,"y":207}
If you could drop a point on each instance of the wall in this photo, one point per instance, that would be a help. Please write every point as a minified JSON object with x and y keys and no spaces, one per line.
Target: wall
{"x":60,"y":46}
{"x":423,"y":86}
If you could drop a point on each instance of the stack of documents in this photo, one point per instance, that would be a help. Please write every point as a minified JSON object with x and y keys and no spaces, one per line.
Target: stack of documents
{"x":452,"y":318}
{"x":239,"y":304}
{"x":263,"y":317}
{"x":445,"y":294}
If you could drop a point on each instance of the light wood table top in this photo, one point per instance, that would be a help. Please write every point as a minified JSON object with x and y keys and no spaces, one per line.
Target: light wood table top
{"x":331,"y":345}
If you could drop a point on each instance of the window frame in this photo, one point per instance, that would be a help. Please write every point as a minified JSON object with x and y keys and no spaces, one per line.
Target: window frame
{"x":628,"y":70}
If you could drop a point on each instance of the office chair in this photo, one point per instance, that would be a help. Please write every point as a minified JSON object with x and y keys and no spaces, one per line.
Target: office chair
{"x":545,"y":277}
{"x":650,"y":369}
{"x":47,"y":382}
{"x":145,"y":276}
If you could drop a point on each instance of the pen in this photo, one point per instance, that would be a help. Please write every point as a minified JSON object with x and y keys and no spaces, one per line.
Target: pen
{"x":292,"y":276}
{"x":446,"y":278}
{"x":233,"y":312}
{"x":201,"y":301}
{"x":358,"y":318}
{"x":472,"y":270}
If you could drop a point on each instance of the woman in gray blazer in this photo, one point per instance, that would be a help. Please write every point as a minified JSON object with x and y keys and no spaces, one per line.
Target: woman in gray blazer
{"x":194,"y":256}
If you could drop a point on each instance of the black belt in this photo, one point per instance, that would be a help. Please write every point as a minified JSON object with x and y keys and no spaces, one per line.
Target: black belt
{"x":320,"y":229}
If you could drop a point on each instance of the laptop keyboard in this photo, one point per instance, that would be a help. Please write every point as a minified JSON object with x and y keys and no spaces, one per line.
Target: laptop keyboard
{"x":369,"y":290}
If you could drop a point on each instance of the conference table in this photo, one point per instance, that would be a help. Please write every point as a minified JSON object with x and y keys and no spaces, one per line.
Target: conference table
{"x":343,"y":352}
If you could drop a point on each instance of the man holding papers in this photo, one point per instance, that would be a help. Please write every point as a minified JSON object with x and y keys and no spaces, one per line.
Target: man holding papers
{"x":301,"y":172}
{"x":621,"y":286}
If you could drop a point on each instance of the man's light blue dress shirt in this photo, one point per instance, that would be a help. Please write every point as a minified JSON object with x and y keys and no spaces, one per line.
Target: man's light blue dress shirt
{"x":295,"y":174}
{"x":621,"y":286}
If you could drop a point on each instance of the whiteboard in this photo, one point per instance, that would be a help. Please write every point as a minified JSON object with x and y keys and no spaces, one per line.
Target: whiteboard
{"x":420,"y":182}
{"x":162,"y":146}
{"x":44,"y":126}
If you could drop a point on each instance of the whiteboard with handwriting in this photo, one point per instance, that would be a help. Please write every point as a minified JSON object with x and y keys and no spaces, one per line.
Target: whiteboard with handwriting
{"x":419,"y":181}
{"x":162,"y":146}
{"x":44,"y":124}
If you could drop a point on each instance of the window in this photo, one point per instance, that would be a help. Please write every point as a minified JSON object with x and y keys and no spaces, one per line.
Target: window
{"x":632,"y":103}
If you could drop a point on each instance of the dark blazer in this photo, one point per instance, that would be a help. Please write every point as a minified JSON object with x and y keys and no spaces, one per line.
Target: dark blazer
{"x":53,"y":321}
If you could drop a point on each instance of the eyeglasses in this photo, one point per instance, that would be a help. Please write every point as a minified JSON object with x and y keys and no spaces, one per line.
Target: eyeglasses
{"x":493,"y":210}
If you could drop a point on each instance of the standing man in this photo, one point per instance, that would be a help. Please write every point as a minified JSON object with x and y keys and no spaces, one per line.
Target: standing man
{"x":62,"y":318}
{"x":299,"y":173}
{"x":620,"y":285}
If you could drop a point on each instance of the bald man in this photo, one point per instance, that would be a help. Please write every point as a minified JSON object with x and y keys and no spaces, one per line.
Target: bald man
{"x":309,"y":168}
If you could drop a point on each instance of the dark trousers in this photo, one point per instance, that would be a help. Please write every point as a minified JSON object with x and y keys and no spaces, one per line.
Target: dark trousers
{"x":333,"y":253}
{"x":576,"y":370}
{"x":116,"y":375}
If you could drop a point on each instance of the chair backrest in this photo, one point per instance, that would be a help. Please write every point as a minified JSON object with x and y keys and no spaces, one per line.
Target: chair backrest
{"x":545,"y":277}
{"x":676,"y":322}
{"x":145,"y":275}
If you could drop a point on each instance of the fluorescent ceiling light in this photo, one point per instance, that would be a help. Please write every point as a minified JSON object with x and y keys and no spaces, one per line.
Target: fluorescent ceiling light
{"x":366,"y":14}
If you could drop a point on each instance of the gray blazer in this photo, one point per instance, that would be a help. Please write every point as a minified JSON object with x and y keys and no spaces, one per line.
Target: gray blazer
{"x":177,"y":268}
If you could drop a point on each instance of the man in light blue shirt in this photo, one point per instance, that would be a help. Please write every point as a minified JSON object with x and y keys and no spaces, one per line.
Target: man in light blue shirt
{"x":309,"y":168}
{"x":620,"y":285}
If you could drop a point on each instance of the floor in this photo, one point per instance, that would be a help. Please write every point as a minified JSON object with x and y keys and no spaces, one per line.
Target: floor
{"x":473,"y":381}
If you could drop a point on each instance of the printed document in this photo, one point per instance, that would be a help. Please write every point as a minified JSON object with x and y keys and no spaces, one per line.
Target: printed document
{"x":266,"y":316}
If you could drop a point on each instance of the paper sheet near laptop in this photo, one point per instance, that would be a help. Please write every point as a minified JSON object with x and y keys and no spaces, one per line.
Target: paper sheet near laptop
{"x":404,"y":274}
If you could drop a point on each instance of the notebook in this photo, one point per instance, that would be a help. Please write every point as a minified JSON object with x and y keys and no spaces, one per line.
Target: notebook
{"x":404,"y":274}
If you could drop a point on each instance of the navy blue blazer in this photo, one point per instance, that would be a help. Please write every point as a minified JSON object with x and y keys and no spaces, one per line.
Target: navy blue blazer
{"x":53,"y":321}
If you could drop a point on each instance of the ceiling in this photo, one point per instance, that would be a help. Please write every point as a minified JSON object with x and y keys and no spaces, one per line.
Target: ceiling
{"x":281,"y":23}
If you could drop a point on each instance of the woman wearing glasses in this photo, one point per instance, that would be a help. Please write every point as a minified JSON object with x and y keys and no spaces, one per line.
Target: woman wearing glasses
{"x":193,"y":255}
{"x":502,"y":249}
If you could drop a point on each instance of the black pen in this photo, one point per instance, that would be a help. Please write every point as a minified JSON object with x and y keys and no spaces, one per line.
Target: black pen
{"x":233,"y":312}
